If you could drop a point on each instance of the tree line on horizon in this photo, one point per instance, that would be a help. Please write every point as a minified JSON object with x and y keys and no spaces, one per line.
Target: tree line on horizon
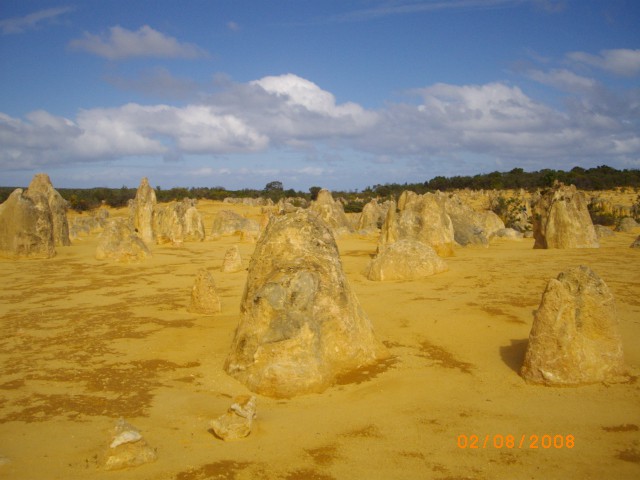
{"x":599,"y":178}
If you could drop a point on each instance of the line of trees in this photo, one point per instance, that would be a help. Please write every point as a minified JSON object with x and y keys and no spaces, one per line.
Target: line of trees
{"x":598,"y":178}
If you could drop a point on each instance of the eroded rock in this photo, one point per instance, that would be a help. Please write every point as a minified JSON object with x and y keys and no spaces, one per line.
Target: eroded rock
{"x":204,"y":297}
{"x":118,"y":241}
{"x":232,"y":261}
{"x":405,"y":260}
{"x":141,"y":211}
{"x":128,"y":448}
{"x":237,"y":423}
{"x":41,"y":183}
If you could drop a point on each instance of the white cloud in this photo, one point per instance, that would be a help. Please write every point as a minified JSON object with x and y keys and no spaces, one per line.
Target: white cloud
{"x":622,"y":61}
{"x":31,"y":21}
{"x":563,"y":79}
{"x":121,"y":43}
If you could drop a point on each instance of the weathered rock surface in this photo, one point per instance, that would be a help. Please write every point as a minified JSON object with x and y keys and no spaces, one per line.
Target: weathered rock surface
{"x":405,"y":260}
{"x":128,"y":448}
{"x":626,"y":224}
{"x":227,"y":222}
{"x":178,"y":222}
{"x":331,"y":212}
{"x":141,"y":211}
{"x":508,"y":233}
{"x":41,"y":183}
{"x":636,"y":243}
{"x":204,"y":297}
{"x":372,"y":216}
{"x":119,"y":242}
{"x":26,"y":226}
{"x":470,"y":227}
{"x":574,"y":339}
{"x":232,"y":261}
{"x":561,"y":219}
{"x":422,"y":218}
{"x":236,"y":424}
{"x":602,"y":231}
{"x":301,"y":324}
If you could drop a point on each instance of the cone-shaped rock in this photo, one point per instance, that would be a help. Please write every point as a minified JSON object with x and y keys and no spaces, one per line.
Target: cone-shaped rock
{"x":142,"y":211}
{"x":41,"y":183}
{"x":232,"y":261}
{"x":561,"y":220}
{"x":301,"y":324}
{"x":26,"y":227}
{"x":204,"y":297}
{"x":331,"y":212}
{"x":574,"y":339}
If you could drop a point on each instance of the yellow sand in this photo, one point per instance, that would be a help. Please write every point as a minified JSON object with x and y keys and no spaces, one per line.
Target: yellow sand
{"x":84,"y":342}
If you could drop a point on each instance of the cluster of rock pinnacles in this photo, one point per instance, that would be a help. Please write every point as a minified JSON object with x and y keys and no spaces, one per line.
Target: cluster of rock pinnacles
{"x":301,"y":325}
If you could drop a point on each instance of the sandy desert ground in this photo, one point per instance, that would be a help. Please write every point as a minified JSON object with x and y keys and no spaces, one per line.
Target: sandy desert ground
{"x":85,"y":342}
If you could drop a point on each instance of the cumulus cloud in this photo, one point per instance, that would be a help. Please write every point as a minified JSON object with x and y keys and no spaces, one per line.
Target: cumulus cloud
{"x":563,"y":79}
{"x":31,"y":21}
{"x":121,"y":43}
{"x":621,"y":61}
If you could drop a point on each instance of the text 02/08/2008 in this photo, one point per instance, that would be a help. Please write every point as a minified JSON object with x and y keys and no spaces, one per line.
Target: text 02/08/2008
{"x":516,"y":441}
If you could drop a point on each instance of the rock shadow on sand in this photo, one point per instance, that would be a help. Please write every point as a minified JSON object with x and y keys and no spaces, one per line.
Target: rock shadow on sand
{"x":513,"y":355}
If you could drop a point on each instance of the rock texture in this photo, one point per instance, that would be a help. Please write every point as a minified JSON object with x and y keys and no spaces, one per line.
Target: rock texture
{"x":128,"y":448}
{"x":372,"y":216}
{"x":626,"y":224}
{"x":331,"y":212}
{"x":41,"y":184}
{"x":236,"y":424}
{"x":405,"y":260}
{"x":119,"y":242}
{"x":301,"y":324}
{"x":471,"y":227}
{"x":26,"y":226}
{"x":141,"y":210}
{"x":204,"y":298}
{"x":602,"y":231}
{"x":422,"y":218}
{"x":636,"y":243}
{"x":178,"y":222}
{"x":574,"y":339}
{"x":232,"y":261}
{"x":227,"y":222}
{"x":561,"y":219}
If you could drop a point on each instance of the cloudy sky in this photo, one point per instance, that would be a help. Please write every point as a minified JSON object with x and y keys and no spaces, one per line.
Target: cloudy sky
{"x":336,"y":93}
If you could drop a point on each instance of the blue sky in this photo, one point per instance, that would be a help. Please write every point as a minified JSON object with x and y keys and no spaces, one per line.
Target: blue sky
{"x":336,"y":93}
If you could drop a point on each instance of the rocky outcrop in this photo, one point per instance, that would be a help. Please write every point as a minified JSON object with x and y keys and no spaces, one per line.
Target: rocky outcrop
{"x":26,"y":226}
{"x":602,"y":231}
{"x":422,"y":218}
{"x":204,"y":297}
{"x":178,"y":222}
{"x":301,"y":324}
{"x":232,"y":261}
{"x":372,"y":216}
{"x":141,"y":211}
{"x":626,"y":225}
{"x":470,"y":227}
{"x":561,"y":219}
{"x":508,"y":233}
{"x":41,"y":184}
{"x":574,"y":339}
{"x":405,"y":260}
{"x":236,"y":424}
{"x":119,"y":242}
{"x":227,"y":222}
{"x":636,"y":243}
{"x":331,"y":212}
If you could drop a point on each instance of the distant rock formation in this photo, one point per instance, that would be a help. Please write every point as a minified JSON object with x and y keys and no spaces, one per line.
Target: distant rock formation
{"x":372,"y":216}
{"x":574,"y":339}
{"x":204,"y":297}
{"x":561,"y":219}
{"x":636,"y":243}
{"x":470,"y":227}
{"x":331,"y":212}
{"x":602,"y":231}
{"x":626,"y":225}
{"x":227,"y":222}
{"x":178,"y":222}
{"x":141,"y":211}
{"x":405,"y":260}
{"x":508,"y":233}
{"x":301,"y":324}
{"x":119,"y":242}
{"x":26,"y":226}
{"x":232,"y":261}
{"x":422,"y":218}
{"x":41,"y":183}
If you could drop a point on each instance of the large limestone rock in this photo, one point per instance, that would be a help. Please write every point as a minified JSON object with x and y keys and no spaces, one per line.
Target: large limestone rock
{"x":405,"y":260}
{"x":422,"y":218}
{"x":141,"y":211}
{"x":178,"y":222}
{"x":204,"y":297}
{"x":26,"y":226}
{"x":561,"y":219}
{"x":119,"y":242}
{"x":331,"y":212}
{"x":301,"y":324}
{"x":41,"y":183}
{"x":471,"y":227}
{"x":227,"y":222}
{"x":574,"y":339}
{"x":372,"y":216}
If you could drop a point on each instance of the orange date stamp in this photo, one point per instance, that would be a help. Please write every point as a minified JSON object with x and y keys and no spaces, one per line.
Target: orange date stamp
{"x":516,"y":441}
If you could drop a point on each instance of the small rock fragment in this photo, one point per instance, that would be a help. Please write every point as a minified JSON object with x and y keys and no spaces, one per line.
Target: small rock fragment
{"x":128,"y":448}
{"x":237,"y":422}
